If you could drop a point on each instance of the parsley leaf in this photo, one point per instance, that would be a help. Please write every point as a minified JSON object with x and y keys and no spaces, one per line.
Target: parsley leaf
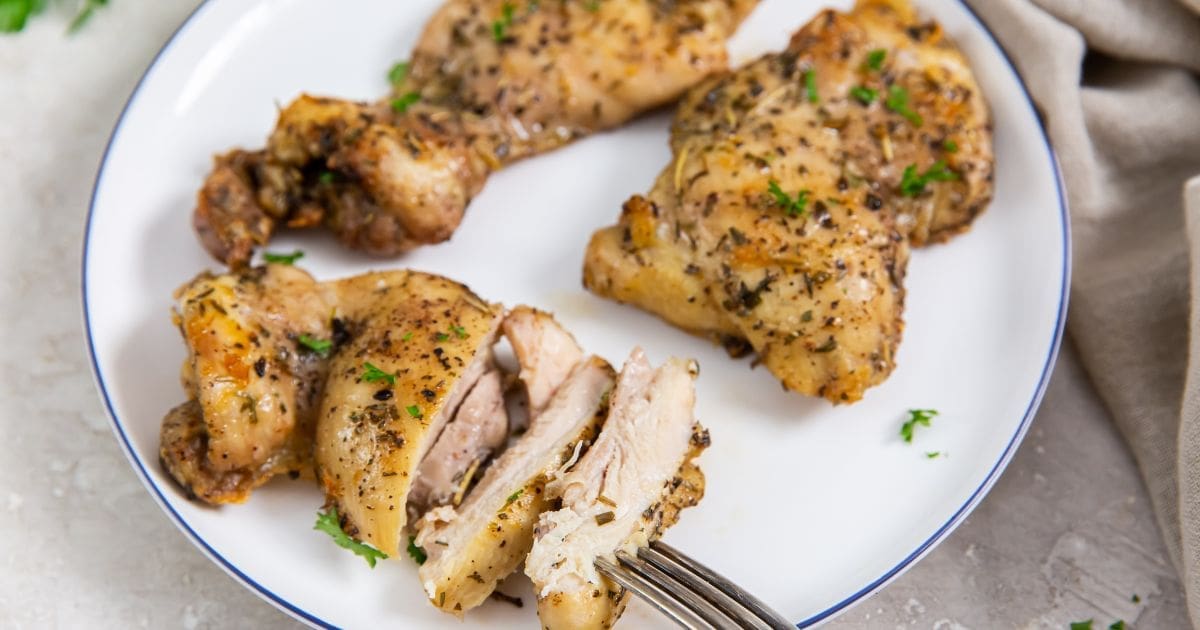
{"x":592,"y":5}
{"x":326,"y":177}
{"x":329,"y":523}
{"x":933,"y":454}
{"x":810,"y":86}
{"x":875,"y":58}
{"x":1082,"y":625}
{"x":442,"y":336}
{"x":1136,"y":599}
{"x":865,"y":95}
{"x":793,"y":207}
{"x":414,"y":411}
{"x":912,"y":184}
{"x":372,"y":374}
{"x":398,"y":73}
{"x":283,"y":259}
{"x":500,"y":26}
{"x":513,"y":497}
{"x":416,"y":553}
{"x":319,"y":346}
{"x":897,"y":101}
{"x":1117,"y":625}
{"x":402,"y":103}
{"x":459,"y":332}
{"x":950,"y":146}
{"x":15,"y":13}
{"x":408,"y":335}
{"x":923,"y":417}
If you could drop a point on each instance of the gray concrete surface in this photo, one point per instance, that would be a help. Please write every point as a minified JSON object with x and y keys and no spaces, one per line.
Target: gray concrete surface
{"x":1066,"y":535}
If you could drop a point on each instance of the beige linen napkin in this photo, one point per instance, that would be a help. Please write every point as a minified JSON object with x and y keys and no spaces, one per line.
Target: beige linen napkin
{"x":1116,"y":83}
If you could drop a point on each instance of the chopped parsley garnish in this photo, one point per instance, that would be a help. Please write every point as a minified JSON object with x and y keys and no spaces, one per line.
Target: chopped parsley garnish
{"x":326,"y":177}
{"x":1117,"y":625}
{"x":913,"y":184}
{"x":416,"y":553}
{"x":459,"y":332}
{"x":500,"y":26}
{"x":398,"y":73}
{"x":414,"y":411}
{"x":875,"y":58}
{"x":513,"y":497}
{"x":372,"y":374}
{"x":933,"y":454}
{"x":283,"y":259}
{"x":14,"y":13}
{"x":923,"y":417}
{"x":408,"y":335}
{"x":319,"y":346}
{"x":950,"y":146}
{"x":1082,"y":625}
{"x":329,"y":523}
{"x":793,"y":207}
{"x":442,"y":336}
{"x":897,"y":101}
{"x":810,"y":86}
{"x":402,"y":103}
{"x":592,"y":5}
{"x":1135,"y":599}
{"x":864,"y":95}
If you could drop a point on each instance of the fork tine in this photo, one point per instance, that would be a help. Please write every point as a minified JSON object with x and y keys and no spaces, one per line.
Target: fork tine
{"x":652,"y":594}
{"x":711,"y":585}
{"x":709,"y":613}
{"x":710,"y":593}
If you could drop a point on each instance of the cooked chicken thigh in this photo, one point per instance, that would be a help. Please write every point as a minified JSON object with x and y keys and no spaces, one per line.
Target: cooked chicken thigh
{"x":625,"y":490}
{"x":472,"y":547}
{"x":490,"y":82}
{"x":253,"y":384}
{"x":434,"y":338}
{"x":798,"y":182}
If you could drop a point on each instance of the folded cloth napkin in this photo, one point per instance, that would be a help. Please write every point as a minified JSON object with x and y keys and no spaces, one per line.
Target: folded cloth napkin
{"x":1116,"y":84}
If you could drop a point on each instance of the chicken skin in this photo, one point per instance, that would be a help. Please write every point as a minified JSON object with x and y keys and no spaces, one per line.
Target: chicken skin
{"x":253,"y":386}
{"x":372,"y":434}
{"x":490,"y":82}
{"x":783,"y":225}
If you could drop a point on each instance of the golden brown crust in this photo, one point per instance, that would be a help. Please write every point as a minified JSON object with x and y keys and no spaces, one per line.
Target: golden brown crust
{"x":784,"y":221}
{"x":371,"y":436}
{"x":387,"y":177}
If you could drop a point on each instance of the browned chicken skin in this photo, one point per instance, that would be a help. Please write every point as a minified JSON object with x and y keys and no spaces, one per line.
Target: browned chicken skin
{"x":490,"y":82}
{"x":254,"y":387}
{"x":783,"y":224}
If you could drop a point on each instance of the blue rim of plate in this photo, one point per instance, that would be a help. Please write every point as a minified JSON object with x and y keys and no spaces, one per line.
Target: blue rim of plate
{"x":875,"y":585}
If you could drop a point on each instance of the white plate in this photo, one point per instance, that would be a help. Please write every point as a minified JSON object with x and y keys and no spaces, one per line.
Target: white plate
{"x":812,"y":507}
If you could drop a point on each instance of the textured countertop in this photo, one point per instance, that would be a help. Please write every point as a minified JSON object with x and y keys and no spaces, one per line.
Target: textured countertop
{"x":1067,"y":533}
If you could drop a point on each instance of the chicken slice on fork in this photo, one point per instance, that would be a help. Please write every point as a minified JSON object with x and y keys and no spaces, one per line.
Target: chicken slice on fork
{"x":490,"y":82}
{"x":253,"y":384}
{"x":622,"y":494}
{"x":783,"y":224}
{"x":432,"y":339}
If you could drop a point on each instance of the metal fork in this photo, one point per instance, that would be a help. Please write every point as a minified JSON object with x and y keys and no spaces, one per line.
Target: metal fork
{"x":691,"y":594}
